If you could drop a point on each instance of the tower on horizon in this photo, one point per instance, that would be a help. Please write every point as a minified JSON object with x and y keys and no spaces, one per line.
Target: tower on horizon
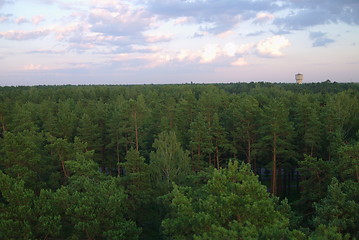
{"x":299,"y":78}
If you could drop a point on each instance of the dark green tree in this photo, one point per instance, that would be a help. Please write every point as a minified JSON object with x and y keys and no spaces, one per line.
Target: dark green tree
{"x":277,"y":137}
{"x":231,"y":205}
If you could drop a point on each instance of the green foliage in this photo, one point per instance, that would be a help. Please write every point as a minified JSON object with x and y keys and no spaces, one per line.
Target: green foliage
{"x":95,"y":209}
{"x":316,"y":174}
{"x":339,"y":209}
{"x":232,"y":204}
{"x":16,"y":211}
{"x":22,"y":158}
{"x":169,"y":163}
{"x":114,"y":151}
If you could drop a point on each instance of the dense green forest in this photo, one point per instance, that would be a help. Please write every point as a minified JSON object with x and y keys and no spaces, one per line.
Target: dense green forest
{"x":192,"y":161}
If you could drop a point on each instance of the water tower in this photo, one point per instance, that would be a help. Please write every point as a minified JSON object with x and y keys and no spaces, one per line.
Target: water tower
{"x":299,"y":78}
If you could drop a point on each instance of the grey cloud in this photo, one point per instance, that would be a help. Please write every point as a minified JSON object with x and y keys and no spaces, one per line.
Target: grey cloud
{"x":320,"y":39}
{"x":255,"y":34}
{"x":311,"y":13}
{"x":222,"y":14}
{"x":304,"y":18}
{"x":45,"y":52}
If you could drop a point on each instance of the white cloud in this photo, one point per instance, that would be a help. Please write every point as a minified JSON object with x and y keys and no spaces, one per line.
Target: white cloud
{"x":245,"y":48}
{"x":272,"y":46}
{"x":209,"y":53}
{"x":230,"y":49}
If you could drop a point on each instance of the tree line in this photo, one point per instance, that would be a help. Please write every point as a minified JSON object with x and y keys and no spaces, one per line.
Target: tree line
{"x":191,"y":161}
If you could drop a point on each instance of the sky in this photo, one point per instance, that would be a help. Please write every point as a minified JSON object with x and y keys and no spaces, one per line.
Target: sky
{"x":56,"y":42}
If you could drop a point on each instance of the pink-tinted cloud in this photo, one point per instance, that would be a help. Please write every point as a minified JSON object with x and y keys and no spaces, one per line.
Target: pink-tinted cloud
{"x":152,"y":38}
{"x":34,"y":67}
{"x":37,"y":19}
{"x":4,"y":18}
{"x":21,"y":20}
{"x":24,"y":35}
{"x":239,"y":62}
{"x":263,"y":17}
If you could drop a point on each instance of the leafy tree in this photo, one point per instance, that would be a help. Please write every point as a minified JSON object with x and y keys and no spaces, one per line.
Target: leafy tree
{"x":23,"y":158}
{"x":200,"y":137}
{"x":246,"y":113}
{"x":308,"y":125}
{"x":347,"y":166}
{"x":95,"y":209}
{"x":338,"y":210}
{"x":315,"y":176}
{"x":169,"y":163}
{"x":16,"y":212}
{"x":23,"y":215}
{"x":219,"y":140}
{"x":232,"y":204}
{"x":136,"y":180}
{"x":67,"y":119}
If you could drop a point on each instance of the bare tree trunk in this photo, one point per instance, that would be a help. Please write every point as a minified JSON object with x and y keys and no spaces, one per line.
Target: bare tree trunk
{"x":63,"y":166}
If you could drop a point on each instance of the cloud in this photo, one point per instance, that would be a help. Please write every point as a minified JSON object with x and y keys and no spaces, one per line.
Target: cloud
{"x":255,"y":34}
{"x":4,"y":17}
{"x":45,"y":52}
{"x":24,"y":35}
{"x":223,"y":15}
{"x":263,"y":17}
{"x":307,"y":13}
{"x":230,"y":49}
{"x":240,"y":62}
{"x":120,"y":20}
{"x":304,"y":18}
{"x":152,"y":38}
{"x":37,"y":19}
{"x":320,"y":39}
{"x":34,"y":67}
{"x":272,"y":46}
{"x":209,"y":53}
{"x":21,"y":20}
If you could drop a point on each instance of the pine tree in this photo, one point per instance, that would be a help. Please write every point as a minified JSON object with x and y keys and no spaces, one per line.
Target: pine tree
{"x":277,"y":135}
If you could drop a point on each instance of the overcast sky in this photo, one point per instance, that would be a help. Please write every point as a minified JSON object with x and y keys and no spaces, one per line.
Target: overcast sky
{"x":46,"y":42}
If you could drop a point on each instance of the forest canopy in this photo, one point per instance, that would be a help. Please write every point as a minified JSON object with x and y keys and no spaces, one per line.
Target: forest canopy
{"x":191,"y":161}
